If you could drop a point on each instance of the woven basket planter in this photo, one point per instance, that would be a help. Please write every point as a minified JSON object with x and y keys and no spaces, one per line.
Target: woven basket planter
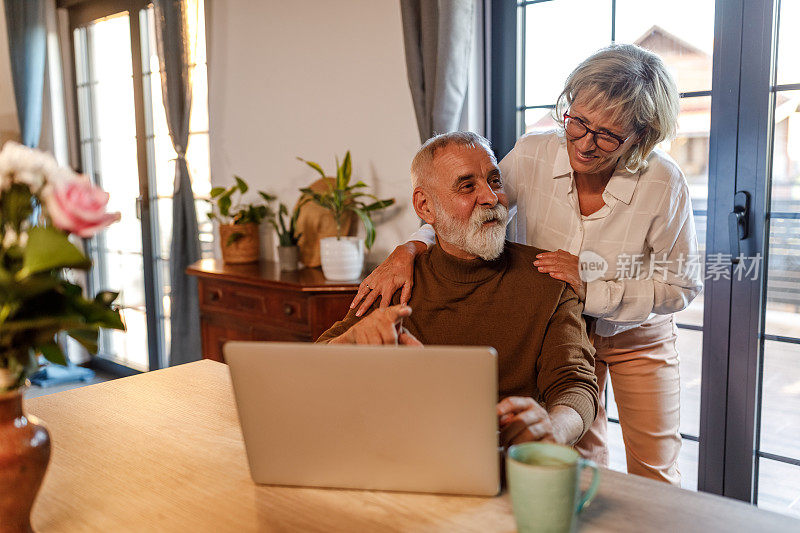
{"x":243,"y":249}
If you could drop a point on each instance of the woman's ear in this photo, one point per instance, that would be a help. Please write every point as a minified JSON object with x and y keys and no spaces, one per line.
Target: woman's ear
{"x":423,"y":205}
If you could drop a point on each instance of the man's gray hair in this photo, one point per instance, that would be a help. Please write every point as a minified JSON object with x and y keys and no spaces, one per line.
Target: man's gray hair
{"x":635,"y":86}
{"x":422,"y":165}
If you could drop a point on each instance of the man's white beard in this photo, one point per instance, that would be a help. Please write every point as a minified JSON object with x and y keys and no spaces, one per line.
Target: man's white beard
{"x":473,"y":237}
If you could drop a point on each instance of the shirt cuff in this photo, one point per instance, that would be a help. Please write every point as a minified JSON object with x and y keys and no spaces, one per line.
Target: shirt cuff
{"x":597,"y":297}
{"x":582,"y":404}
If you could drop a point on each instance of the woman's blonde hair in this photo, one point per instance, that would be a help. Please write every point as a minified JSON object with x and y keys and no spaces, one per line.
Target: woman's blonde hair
{"x":635,"y":86}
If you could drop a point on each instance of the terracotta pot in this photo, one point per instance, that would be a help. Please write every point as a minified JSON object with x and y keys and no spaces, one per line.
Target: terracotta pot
{"x":245,"y":248}
{"x":24,"y":453}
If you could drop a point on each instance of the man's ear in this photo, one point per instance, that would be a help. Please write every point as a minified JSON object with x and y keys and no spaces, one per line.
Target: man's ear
{"x":423,"y":205}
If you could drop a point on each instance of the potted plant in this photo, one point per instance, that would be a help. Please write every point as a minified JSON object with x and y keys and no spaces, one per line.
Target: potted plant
{"x":238,"y":223}
{"x":287,"y":236}
{"x":342,"y":257}
{"x":40,"y":205}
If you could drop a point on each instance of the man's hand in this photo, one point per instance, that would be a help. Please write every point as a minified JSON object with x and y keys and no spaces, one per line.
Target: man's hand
{"x":382,"y":326}
{"x":522,"y":419}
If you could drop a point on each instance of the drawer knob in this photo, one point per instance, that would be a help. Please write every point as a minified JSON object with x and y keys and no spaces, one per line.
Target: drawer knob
{"x":215,"y":295}
{"x":287,"y":309}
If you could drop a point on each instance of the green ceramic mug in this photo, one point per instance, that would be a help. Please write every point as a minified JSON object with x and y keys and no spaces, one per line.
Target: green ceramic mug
{"x":543,"y":480}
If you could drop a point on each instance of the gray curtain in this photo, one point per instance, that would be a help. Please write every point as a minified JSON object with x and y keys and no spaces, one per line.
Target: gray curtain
{"x":172,"y":42}
{"x":27,"y":46}
{"x":438,"y":39}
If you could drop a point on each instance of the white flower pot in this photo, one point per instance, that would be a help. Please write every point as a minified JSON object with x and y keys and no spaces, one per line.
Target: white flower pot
{"x":342,"y":258}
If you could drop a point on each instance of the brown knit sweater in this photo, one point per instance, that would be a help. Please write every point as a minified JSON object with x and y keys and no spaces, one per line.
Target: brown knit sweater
{"x":532,"y":320}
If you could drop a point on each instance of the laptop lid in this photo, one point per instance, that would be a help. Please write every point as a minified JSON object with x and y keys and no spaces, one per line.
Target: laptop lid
{"x":368,"y":417}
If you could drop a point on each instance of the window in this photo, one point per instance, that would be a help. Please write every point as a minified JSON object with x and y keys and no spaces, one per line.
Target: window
{"x":126,"y":148}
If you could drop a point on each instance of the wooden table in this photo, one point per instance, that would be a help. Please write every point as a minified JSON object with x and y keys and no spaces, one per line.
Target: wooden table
{"x":163,"y":451}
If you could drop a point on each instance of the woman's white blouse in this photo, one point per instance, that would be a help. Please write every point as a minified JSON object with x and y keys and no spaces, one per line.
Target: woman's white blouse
{"x":638,"y":252}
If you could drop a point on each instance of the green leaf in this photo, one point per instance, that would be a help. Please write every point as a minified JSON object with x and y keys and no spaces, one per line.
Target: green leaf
{"x":313,"y":165}
{"x":358,"y":184}
{"x":380,"y":204}
{"x":216,"y":191}
{"x":267,"y":197}
{"x":240,"y":183}
{"x":87,"y":337}
{"x":52,"y":352}
{"x":106,"y":298}
{"x":368,"y":226}
{"x":339,"y":175}
{"x":224,"y":204}
{"x":29,"y":287}
{"x":16,"y":205}
{"x":347,"y":169}
{"x":48,"y":249}
{"x":234,"y":237}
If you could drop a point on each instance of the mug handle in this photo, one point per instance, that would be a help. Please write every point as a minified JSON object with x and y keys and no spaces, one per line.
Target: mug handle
{"x":588,"y":496}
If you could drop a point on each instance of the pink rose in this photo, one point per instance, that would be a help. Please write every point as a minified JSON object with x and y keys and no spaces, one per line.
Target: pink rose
{"x":78,"y":206}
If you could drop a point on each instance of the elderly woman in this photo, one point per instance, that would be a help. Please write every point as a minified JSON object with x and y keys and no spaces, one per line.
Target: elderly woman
{"x":618,"y":213}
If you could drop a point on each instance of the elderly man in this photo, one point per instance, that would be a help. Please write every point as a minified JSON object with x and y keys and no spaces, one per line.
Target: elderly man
{"x":473,"y":288}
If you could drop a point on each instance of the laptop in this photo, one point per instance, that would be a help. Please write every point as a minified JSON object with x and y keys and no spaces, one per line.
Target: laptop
{"x":368,"y":417}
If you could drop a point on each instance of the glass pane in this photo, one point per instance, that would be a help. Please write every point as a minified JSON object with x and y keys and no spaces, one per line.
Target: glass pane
{"x":690,"y":149}
{"x":783,"y":278}
{"x":783,"y":281}
{"x":199,"y":119}
{"x":575,"y":28}
{"x":779,"y":487}
{"x":539,"y":120}
{"x":107,"y":123}
{"x":164,"y":214}
{"x":788,"y":43}
{"x":685,"y":43}
{"x":786,"y":153}
{"x":128,"y":348}
{"x":780,"y":404}
{"x":199,"y":162}
{"x":125,"y":274}
{"x":690,"y":350}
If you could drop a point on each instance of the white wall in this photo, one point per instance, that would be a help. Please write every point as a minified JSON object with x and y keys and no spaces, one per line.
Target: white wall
{"x":312,"y":79}
{"x":9,"y":127}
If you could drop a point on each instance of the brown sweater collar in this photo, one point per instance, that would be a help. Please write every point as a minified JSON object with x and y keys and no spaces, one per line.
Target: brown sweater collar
{"x":464,"y":270}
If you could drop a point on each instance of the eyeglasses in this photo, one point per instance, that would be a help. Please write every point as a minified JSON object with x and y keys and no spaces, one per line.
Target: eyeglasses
{"x":576,"y":128}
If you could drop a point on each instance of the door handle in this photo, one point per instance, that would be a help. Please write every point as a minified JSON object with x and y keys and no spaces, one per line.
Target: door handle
{"x":738,"y":225}
{"x":139,"y":207}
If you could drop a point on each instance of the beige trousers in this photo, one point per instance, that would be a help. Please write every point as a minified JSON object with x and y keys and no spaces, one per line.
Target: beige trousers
{"x":644,"y":371}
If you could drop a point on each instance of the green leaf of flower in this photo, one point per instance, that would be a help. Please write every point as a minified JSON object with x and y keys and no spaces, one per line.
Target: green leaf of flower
{"x":48,"y":249}
{"x":87,"y":337}
{"x":52,"y":352}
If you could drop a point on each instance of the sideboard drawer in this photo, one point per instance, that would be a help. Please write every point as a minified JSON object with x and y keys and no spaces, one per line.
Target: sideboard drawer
{"x":259,"y":302}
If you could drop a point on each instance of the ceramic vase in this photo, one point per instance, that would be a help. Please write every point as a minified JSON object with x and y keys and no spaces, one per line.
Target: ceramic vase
{"x":342,"y":258}
{"x":24,"y":454}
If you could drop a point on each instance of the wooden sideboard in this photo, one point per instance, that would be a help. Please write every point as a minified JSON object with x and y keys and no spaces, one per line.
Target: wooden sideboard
{"x":258,"y":302}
